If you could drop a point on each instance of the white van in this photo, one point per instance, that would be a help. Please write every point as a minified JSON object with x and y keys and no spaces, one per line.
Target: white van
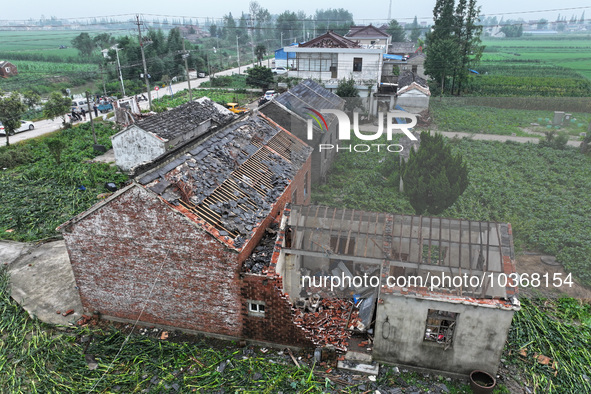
{"x":77,"y":105}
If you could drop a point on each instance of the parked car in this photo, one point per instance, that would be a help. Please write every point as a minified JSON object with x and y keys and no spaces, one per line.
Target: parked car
{"x":279,"y":70}
{"x":25,"y":125}
{"x":234,"y":107}
{"x":269,"y":94}
{"x":201,"y":75}
{"x":79,"y":104}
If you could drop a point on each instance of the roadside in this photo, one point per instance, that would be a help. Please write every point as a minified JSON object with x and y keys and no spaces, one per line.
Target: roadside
{"x":48,"y":125}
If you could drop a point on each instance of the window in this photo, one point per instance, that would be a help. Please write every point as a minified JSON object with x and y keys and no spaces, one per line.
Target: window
{"x":414,"y":69}
{"x":357,"y":62}
{"x":305,"y":185}
{"x":294,"y":197}
{"x":256,"y":308}
{"x":440,"y":327}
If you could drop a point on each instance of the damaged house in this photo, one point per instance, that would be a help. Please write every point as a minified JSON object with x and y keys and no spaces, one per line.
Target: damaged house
{"x":170,"y":248}
{"x":153,"y":136}
{"x":456,"y":325}
{"x":291,"y":110}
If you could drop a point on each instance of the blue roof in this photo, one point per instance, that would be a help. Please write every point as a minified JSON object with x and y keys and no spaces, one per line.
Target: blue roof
{"x":393,"y":57}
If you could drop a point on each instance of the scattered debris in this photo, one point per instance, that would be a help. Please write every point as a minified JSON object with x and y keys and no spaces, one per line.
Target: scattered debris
{"x":68,"y":312}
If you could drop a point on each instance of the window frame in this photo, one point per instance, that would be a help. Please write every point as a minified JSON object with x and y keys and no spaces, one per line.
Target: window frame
{"x":357,"y":64}
{"x":440,"y":327}
{"x":256,"y":308}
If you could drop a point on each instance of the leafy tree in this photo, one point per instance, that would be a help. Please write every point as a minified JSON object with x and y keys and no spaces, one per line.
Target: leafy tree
{"x":543,"y":24}
{"x":213,"y":30}
{"x":84,"y":44}
{"x":346,"y":89}
{"x":433,"y":176}
{"x":513,"y":30}
{"x":415,"y":30}
{"x":455,"y":30}
{"x":259,"y":76}
{"x":56,"y":146}
{"x":287,"y":23}
{"x":11,"y":110}
{"x":104,"y":40}
{"x":31,"y":99}
{"x":339,"y":20}
{"x":57,"y":105}
{"x":229,"y":27}
{"x":396,"y":31}
{"x":260,"y":51}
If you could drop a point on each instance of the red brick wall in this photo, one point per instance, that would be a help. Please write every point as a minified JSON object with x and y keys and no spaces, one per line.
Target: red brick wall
{"x":136,"y":251}
{"x":277,"y":325}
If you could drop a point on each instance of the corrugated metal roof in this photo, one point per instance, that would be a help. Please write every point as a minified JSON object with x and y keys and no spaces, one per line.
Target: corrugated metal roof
{"x":309,"y":94}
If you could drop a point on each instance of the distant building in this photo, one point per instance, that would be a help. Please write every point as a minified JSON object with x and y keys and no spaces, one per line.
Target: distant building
{"x":7,"y":69}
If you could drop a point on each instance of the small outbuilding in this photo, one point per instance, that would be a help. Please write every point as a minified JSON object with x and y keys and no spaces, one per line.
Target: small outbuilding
{"x":7,"y":69}
{"x":151,"y":137}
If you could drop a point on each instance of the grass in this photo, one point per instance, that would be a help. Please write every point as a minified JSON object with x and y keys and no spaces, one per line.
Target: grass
{"x":558,"y":329}
{"x":458,"y":115}
{"x":572,"y":52}
{"x":38,"y":194}
{"x":542,"y":192}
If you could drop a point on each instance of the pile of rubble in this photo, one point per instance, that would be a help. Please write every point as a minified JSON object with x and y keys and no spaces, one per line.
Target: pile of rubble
{"x":328,"y":321}
{"x":260,"y":258}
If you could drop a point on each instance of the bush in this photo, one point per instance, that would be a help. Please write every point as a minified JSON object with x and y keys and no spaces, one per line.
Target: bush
{"x":14,"y":155}
{"x":554,"y":140}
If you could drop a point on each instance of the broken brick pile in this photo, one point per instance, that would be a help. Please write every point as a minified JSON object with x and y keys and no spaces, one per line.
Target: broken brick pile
{"x":329,"y":324}
{"x":260,"y":258}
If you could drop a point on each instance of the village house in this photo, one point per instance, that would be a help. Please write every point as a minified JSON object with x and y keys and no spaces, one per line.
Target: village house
{"x":331,"y":57}
{"x":7,"y":69}
{"x":171,"y":248}
{"x":369,"y":36}
{"x":456,"y":326}
{"x":292,"y":111}
{"x":413,"y":93}
{"x":153,"y":136}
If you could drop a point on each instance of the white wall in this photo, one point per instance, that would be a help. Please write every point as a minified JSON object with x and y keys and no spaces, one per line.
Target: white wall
{"x":134,"y":146}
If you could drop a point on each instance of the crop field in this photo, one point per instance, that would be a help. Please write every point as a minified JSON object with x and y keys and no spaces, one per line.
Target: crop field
{"x":38,"y":194}
{"x":46,"y":77}
{"x":473,"y":116}
{"x":564,"y":51}
{"x":542,"y":192}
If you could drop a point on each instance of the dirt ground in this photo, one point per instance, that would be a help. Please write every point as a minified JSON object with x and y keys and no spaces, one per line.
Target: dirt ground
{"x":531,"y":263}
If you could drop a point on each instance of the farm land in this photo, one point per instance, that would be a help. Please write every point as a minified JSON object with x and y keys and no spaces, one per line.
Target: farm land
{"x":542,"y":191}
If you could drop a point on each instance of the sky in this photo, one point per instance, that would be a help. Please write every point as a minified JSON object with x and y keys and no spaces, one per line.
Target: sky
{"x":362,"y":12}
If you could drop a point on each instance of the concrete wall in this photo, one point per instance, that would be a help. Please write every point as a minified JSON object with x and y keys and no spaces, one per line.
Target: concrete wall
{"x":135,"y":252}
{"x":371,"y":67}
{"x":413,"y":101}
{"x":478,"y":340}
{"x":134,"y":146}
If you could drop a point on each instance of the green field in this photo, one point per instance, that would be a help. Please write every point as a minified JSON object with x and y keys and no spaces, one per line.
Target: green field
{"x":572,"y":52}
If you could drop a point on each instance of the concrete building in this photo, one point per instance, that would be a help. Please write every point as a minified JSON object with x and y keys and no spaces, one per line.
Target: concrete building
{"x":291,"y":111}
{"x":179,"y":247}
{"x":455,"y":326}
{"x":413,"y":93}
{"x":331,"y":57}
{"x":369,"y":37}
{"x":152,"y":137}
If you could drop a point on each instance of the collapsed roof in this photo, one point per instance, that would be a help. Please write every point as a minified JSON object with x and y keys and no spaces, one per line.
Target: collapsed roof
{"x":407,"y":245}
{"x":185,"y":118}
{"x":229,"y":182}
{"x":309,"y":94}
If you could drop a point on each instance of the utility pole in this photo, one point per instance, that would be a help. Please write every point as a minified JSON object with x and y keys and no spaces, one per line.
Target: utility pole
{"x":139,"y":30}
{"x":185,"y":56}
{"x":90,"y":114}
{"x":103,"y":78}
{"x":281,"y":45}
{"x":238,"y":52}
{"x":117,"y":49}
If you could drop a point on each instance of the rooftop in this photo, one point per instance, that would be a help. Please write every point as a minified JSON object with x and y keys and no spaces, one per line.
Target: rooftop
{"x":185,"y":118}
{"x":368,"y":31}
{"x":309,"y":94}
{"x":229,"y":182}
{"x":330,"y":40}
{"x":402,"y":47}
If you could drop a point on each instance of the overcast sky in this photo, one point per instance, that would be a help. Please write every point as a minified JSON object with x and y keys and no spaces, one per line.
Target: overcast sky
{"x":364,"y":12}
